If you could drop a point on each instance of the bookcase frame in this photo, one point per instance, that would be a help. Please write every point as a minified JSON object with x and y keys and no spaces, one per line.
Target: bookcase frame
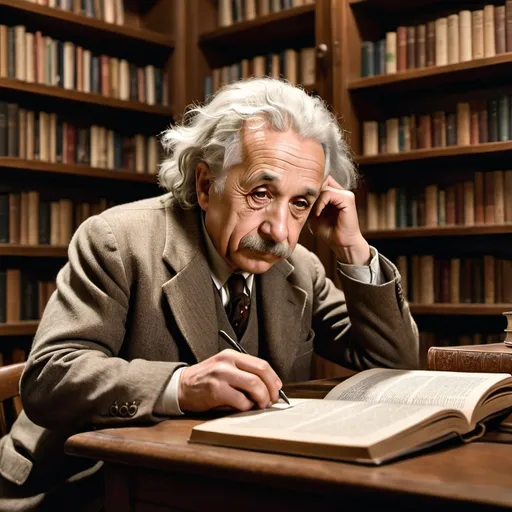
{"x":361,"y":20}
{"x":155,"y":29}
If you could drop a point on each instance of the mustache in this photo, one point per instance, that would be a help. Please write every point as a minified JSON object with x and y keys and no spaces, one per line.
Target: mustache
{"x":254,"y":242}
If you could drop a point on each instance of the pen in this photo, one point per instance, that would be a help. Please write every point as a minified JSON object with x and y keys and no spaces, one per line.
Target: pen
{"x":235,"y":345}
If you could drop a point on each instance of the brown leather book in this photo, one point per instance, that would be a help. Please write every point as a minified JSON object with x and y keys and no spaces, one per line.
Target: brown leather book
{"x":401,"y":58}
{"x":492,"y":358}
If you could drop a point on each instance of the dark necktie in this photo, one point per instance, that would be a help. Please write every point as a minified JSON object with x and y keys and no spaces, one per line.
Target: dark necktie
{"x":238,"y":306}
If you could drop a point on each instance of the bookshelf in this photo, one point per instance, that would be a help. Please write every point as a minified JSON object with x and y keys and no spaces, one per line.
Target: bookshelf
{"x":51,"y":93}
{"x":430,"y":71}
{"x":46,"y":16}
{"x":441,"y":231}
{"x":458,"y":309}
{"x":98,"y":131}
{"x":36,"y":166}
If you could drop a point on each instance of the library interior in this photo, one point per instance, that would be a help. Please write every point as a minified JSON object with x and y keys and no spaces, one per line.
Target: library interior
{"x":210,"y":208}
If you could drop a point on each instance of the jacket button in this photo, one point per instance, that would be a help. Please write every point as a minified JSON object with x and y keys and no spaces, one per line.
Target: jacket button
{"x":123,"y":410}
{"x":132,"y":410}
{"x":114,"y":409}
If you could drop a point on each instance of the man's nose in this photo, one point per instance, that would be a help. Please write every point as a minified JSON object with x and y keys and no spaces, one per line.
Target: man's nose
{"x":275,"y":224}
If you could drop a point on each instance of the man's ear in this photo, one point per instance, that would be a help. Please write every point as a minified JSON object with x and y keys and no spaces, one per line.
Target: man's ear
{"x":204,"y":180}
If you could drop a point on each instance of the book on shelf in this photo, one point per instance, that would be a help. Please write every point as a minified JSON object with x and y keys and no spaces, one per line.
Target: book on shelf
{"x":508,"y":330}
{"x":296,"y":66}
{"x":373,"y":417}
{"x":478,"y":200}
{"x":458,"y":37}
{"x":40,"y":59}
{"x":478,"y":121}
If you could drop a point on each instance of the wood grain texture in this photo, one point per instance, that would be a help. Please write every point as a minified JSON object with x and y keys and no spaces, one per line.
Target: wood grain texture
{"x":76,"y":170}
{"x":474,"y":475}
{"x":477,"y":69}
{"x":25,"y":328}
{"x":58,"y":93}
{"x":459,"y":309}
{"x":439,"y":231}
{"x":91,"y":26}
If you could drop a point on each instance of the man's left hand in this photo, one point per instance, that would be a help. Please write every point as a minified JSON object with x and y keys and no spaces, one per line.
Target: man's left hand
{"x":334,"y":219}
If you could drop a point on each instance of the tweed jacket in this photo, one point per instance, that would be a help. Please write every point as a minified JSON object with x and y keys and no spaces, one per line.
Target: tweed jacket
{"x":135,"y":302}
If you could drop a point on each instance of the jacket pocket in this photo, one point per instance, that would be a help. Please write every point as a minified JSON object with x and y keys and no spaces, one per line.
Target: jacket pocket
{"x":13,"y":465}
{"x":301,"y":369}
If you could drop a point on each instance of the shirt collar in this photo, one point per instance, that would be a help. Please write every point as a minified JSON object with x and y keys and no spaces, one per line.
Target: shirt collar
{"x":219,"y":269}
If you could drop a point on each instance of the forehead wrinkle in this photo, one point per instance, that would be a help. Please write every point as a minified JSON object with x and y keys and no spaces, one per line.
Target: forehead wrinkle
{"x":256,"y":153}
{"x":275,"y":161}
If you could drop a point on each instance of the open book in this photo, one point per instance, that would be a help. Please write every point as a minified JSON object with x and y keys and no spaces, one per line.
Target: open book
{"x":372,"y":417}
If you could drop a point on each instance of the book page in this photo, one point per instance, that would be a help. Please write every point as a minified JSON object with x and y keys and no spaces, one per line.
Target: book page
{"x":331,"y":422}
{"x":454,"y":390}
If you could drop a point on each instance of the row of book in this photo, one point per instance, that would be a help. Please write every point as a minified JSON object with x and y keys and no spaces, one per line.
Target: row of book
{"x":23,"y":295}
{"x":35,"y":58}
{"x":459,"y":37}
{"x":481,"y":199}
{"x":427,"y":279}
{"x":28,"y":219}
{"x":473,"y":123}
{"x":109,"y":11}
{"x":296,"y":66}
{"x":49,"y":137}
{"x":236,"y":11}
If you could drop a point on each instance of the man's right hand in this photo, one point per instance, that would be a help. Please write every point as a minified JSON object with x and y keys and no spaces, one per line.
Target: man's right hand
{"x":228,"y":379}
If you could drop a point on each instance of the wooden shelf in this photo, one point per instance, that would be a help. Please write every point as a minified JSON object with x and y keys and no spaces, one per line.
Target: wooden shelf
{"x":91,"y":27}
{"x":19,"y":328}
{"x":392,"y":5}
{"x":459,"y":309}
{"x":494,"y":229}
{"x":82,"y":97}
{"x":44,"y":251}
{"x":434,"y":153}
{"x":76,"y":170}
{"x":416,"y":79}
{"x":282,"y":25}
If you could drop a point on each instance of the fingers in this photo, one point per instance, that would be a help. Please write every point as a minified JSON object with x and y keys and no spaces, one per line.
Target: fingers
{"x":262,"y":370}
{"x":331,"y":182}
{"x":235,"y":399}
{"x":228,"y":379}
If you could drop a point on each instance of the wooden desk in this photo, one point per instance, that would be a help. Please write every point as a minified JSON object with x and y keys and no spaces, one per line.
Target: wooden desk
{"x":154,"y":469}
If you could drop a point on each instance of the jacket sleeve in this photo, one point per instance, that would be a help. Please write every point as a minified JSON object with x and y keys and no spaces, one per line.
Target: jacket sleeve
{"x":74,"y":377}
{"x":364,"y":326}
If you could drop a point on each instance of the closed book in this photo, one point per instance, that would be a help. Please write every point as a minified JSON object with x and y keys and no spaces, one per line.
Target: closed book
{"x":489,"y":358}
{"x":411,"y":47}
{"x":508,"y":25}
{"x":391,"y":52}
{"x":489,"y":32}
{"x":500,"y":31}
{"x":465,"y":36}
{"x":401,"y":41}
{"x":421,"y":46}
{"x":4,"y":218}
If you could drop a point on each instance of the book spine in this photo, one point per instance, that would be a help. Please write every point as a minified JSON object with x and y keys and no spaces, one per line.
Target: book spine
{"x":444,"y":359}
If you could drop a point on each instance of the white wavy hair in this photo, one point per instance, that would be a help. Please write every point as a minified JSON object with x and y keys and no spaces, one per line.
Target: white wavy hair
{"x":211,"y":133}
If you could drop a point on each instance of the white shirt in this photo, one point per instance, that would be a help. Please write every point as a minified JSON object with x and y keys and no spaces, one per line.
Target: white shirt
{"x":168,"y":404}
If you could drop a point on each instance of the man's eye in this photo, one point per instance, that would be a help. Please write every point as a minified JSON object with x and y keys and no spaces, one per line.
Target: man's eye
{"x":301,"y":204}
{"x":259,"y":194}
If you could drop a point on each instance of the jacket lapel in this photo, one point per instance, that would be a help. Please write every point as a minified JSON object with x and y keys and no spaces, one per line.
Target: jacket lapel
{"x":282,"y":311}
{"x":190,"y":292}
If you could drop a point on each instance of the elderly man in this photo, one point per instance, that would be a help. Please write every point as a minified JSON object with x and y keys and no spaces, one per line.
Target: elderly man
{"x":131,"y":335}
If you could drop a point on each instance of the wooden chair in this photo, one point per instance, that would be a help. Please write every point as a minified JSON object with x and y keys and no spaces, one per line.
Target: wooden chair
{"x":9,"y":392}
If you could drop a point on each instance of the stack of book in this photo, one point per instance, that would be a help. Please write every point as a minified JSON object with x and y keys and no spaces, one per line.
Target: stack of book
{"x":508,"y":330}
{"x":491,"y":358}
